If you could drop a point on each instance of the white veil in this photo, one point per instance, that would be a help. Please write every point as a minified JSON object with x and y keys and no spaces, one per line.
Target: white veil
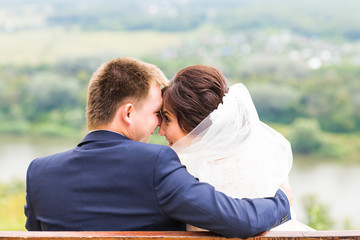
{"x":236,"y":152}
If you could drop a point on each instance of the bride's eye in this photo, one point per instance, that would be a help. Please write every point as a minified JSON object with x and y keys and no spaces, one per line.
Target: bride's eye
{"x":167,"y":119}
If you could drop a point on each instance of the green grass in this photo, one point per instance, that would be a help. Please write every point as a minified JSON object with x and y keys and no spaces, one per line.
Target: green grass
{"x":12,"y":201}
{"x":12,"y":217}
{"x":50,"y":45}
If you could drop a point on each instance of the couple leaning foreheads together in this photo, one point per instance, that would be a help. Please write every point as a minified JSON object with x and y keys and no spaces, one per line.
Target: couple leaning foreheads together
{"x":224,"y":170}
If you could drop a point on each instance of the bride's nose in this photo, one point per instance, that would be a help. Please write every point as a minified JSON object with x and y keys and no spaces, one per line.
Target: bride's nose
{"x":161,"y":131}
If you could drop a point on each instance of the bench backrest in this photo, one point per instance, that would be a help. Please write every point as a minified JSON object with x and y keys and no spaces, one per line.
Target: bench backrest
{"x":321,"y":235}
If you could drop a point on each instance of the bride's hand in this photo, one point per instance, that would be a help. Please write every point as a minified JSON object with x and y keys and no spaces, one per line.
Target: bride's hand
{"x":288,"y":191}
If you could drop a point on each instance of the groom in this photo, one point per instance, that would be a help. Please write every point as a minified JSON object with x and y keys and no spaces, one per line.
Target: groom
{"x":115,"y":181}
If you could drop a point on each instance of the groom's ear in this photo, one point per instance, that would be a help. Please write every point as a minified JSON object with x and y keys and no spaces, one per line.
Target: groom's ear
{"x":126,"y":113}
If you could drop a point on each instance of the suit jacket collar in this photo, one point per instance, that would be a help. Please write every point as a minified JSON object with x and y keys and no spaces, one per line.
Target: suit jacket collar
{"x":101,"y":135}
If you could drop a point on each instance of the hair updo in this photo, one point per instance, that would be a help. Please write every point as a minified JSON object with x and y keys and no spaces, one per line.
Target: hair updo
{"x":193,"y":94}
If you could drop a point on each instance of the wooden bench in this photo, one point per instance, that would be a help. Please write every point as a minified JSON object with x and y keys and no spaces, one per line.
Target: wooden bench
{"x":320,"y":235}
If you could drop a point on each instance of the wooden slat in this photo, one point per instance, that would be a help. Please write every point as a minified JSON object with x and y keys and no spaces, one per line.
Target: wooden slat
{"x":315,"y":235}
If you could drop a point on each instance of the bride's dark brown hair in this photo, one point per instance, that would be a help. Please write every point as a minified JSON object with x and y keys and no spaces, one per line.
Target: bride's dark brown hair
{"x":193,"y":94}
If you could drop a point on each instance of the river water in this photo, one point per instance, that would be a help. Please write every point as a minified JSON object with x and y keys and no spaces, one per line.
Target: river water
{"x":336,"y":186}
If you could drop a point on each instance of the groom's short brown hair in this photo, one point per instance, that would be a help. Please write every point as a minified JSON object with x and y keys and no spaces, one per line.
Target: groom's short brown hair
{"x":116,"y":81}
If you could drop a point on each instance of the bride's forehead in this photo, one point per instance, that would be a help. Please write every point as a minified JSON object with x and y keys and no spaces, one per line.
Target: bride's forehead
{"x":166,"y":111}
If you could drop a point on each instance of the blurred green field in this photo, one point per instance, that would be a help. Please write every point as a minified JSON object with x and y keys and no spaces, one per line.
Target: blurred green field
{"x":12,"y":216}
{"x":51,"y":45}
{"x":12,"y":201}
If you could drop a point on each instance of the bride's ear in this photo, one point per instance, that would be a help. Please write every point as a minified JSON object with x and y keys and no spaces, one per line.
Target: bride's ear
{"x":126,"y":113}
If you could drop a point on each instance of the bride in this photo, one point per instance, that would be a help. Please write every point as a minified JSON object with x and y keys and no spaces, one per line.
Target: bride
{"x":218,"y":136}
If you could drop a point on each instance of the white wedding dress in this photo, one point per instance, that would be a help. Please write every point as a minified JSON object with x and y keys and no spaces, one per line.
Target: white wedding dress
{"x":237,"y":153}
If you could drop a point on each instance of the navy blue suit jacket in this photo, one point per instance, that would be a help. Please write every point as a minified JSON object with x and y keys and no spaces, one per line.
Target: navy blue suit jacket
{"x":110,"y":183}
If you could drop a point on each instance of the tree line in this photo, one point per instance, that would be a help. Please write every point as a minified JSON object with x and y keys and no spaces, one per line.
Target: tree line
{"x":56,"y":94}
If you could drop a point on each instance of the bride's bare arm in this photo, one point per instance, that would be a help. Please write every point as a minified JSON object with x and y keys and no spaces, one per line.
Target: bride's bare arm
{"x":287,"y":189}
